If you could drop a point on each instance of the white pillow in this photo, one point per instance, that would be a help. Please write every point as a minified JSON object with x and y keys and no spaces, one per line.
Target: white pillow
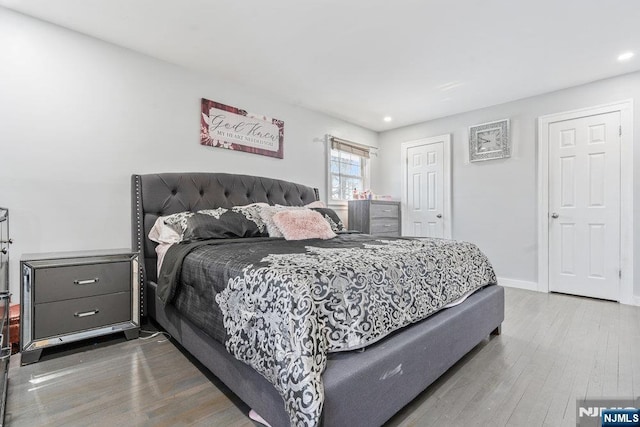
{"x":316,"y":204}
{"x":163,"y":233}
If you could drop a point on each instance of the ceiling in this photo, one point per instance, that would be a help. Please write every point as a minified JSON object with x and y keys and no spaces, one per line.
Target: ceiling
{"x":361,"y":60}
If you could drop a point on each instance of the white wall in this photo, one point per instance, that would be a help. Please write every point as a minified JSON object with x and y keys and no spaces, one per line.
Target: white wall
{"x":78,"y":116}
{"x":495,"y":202}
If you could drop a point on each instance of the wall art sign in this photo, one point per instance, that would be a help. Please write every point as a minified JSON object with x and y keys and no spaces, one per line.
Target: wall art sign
{"x":489,"y":141}
{"x":236,"y":129}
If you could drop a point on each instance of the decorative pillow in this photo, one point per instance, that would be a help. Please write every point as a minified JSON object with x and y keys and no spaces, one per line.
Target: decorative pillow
{"x":213,"y":212}
{"x":252,"y":213}
{"x":331,"y":217}
{"x":266,"y":215}
{"x":300,"y":224}
{"x":224,"y":225}
{"x":178,"y":221}
{"x":162,"y":233}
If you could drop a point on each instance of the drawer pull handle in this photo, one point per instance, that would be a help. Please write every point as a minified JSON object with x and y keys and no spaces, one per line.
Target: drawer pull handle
{"x":387,"y":225}
{"x":86,"y":282}
{"x":386,"y":210}
{"x":86,"y":313}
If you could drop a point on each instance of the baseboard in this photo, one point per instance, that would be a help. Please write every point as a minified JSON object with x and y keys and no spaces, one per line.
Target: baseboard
{"x":633,"y":300}
{"x":533,"y":286}
{"x":519,"y":284}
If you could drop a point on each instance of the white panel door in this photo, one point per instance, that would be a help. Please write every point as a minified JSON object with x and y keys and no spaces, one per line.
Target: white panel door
{"x":425,"y":190}
{"x":584,"y":206}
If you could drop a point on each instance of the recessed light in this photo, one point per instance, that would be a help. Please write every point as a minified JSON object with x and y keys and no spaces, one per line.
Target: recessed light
{"x":387,"y":119}
{"x":626,"y":56}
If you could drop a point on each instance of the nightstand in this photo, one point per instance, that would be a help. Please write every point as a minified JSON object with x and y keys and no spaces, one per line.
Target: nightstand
{"x":70,"y":296}
{"x":379,"y":217}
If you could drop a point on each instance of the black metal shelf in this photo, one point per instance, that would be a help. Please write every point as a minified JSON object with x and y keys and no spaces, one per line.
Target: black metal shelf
{"x":5,"y":297}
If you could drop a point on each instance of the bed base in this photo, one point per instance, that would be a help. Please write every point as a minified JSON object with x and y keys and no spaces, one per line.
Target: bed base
{"x":361,"y":388}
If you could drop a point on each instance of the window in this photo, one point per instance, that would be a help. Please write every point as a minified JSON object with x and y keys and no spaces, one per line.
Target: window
{"x":347,"y":174}
{"x":348,"y":169}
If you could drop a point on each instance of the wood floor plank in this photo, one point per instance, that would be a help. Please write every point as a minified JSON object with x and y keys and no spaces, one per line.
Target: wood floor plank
{"x":553,"y":350}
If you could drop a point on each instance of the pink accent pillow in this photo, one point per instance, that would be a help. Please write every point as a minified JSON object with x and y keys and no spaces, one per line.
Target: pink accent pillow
{"x":303,"y":224}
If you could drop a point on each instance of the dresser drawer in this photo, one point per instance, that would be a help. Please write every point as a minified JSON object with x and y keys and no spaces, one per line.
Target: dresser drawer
{"x":63,"y":317}
{"x":384,"y":225}
{"x":78,"y":281}
{"x":384,"y":211}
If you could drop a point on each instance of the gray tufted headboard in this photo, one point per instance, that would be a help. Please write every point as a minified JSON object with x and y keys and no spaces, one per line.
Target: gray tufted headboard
{"x":155,"y":195}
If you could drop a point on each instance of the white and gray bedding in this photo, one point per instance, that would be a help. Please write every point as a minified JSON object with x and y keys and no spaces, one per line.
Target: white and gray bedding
{"x":282,"y":306}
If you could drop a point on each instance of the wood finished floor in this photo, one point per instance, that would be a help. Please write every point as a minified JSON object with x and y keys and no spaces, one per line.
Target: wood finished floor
{"x":553,"y":349}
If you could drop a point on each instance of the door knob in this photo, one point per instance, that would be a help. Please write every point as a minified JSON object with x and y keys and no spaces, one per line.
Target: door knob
{"x":439,"y":216}
{"x":554,"y":215}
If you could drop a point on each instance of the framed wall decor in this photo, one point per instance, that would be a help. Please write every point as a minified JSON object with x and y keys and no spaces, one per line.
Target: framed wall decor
{"x":488,"y":141}
{"x":235,"y":129}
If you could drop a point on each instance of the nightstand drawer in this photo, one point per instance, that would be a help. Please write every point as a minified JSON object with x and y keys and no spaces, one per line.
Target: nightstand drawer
{"x":383,"y":225}
{"x":384,"y":210}
{"x":63,"y":317}
{"x":78,"y":281}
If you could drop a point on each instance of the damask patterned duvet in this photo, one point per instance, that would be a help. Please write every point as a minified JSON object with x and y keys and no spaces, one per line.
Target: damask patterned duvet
{"x":282,"y":306}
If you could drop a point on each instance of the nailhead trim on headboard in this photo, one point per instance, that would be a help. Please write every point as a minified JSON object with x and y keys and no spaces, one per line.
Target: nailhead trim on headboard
{"x":168,"y":193}
{"x":139,"y":237}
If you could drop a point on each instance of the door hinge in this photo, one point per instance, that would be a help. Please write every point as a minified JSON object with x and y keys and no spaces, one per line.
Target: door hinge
{"x":620,"y":274}
{"x":619,"y":130}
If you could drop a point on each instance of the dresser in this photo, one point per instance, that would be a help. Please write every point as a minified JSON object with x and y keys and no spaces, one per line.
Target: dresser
{"x":72,"y":296}
{"x":5,"y":296}
{"x":378,"y":217}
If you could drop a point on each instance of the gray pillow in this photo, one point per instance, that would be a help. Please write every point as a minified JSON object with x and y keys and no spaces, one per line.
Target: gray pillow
{"x":226,"y":225}
{"x":178,"y":221}
{"x":331,"y":217}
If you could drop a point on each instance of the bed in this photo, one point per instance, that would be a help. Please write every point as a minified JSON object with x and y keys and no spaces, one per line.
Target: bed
{"x":362,"y":387}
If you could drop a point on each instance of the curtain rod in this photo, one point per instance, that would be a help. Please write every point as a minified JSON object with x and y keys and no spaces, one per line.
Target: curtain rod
{"x":346,"y":141}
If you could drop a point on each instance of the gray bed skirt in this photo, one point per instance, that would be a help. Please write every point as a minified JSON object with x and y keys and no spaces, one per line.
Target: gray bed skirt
{"x":361,"y":388}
